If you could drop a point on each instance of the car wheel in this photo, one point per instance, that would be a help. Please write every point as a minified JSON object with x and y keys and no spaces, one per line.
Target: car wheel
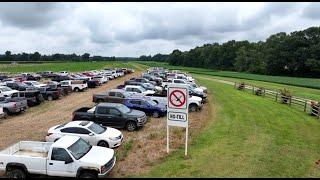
{"x":103,"y":144}
{"x":50,"y":98}
{"x":76,"y":89}
{"x":131,"y":126}
{"x":5,"y":113}
{"x":193,"y":107}
{"x":88,"y":175}
{"x":155,"y":114}
{"x":17,"y":174}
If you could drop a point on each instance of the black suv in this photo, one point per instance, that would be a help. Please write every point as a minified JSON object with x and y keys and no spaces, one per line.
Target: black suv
{"x":114,"y":115}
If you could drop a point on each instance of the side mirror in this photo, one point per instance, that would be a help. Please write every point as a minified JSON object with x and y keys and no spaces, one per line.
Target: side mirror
{"x":91,"y":134}
{"x":68,"y":161}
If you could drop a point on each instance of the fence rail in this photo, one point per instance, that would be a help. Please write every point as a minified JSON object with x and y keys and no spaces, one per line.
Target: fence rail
{"x":309,"y":106}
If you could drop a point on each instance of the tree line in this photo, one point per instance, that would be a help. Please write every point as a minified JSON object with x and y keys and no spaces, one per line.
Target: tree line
{"x":293,"y":54}
{"x":37,"y":57}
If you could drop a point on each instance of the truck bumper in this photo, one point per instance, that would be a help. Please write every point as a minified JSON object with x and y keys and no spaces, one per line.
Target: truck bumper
{"x":107,"y":172}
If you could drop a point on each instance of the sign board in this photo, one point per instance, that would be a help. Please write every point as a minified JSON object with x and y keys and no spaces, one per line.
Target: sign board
{"x":177,"y":109}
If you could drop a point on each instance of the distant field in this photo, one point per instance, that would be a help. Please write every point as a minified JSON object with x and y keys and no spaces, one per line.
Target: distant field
{"x":66,"y":66}
{"x":303,"y":82}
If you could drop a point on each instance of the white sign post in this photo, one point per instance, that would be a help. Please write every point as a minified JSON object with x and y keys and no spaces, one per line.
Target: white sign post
{"x":177,"y":109}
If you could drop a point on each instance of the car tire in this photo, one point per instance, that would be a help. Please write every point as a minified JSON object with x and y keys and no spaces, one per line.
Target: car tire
{"x":103,"y":144}
{"x":5,"y":113}
{"x":88,"y":175}
{"x":50,"y":98}
{"x":131,"y":126}
{"x":76,"y":89}
{"x":155,"y":114}
{"x":16,"y":173}
{"x":193,"y":107}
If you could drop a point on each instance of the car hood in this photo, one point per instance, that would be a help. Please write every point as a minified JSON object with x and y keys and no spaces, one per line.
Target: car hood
{"x":135,"y":113}
{"x":196,"y":98}
{"x":98,"y":155}
{"x":149,"y":92}
{"x":111,"y":132}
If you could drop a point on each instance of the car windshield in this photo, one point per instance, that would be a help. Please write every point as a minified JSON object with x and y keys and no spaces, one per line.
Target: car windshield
{"x":79,"y":148}
{"x":4,"y":89}
{"x":152,"y":103}
{"x":96,"y":128}
{"x":35,"y":83}
{"x":142,"y":89}
{"x":124,"y":109}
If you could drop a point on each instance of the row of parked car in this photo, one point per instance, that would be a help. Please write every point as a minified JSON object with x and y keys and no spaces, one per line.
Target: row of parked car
{"x":83,"y":147}
{"x":19,"y":92}
{"x":80,"y":149}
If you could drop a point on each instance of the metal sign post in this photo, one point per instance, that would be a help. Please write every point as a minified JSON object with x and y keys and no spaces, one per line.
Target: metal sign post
{"x":177,"y":109}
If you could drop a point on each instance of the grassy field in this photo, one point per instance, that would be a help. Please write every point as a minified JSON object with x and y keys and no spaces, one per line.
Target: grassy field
{"x":247,"y":136}
{"x":302,"y":82}
{"x":67,"y":66}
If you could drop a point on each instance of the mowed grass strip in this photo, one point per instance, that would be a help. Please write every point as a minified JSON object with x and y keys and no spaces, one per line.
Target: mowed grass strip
{"x":249,"y":137}
{"x":65,"y":66}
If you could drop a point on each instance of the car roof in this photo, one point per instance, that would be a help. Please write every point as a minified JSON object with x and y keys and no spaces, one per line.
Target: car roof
{"x":109,"y":104}
{"x":116,"y":90}
{"x":77,"y":124}
{"x":66,"y":141}
{"x":133,"y":86}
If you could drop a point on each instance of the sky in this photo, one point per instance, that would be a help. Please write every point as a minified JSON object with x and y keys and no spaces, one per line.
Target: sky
{"x":125,"y":29}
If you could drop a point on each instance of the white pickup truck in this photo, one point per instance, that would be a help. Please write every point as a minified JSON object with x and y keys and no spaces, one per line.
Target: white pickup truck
{"x":77,"y":85}
{"x":70,"y":156}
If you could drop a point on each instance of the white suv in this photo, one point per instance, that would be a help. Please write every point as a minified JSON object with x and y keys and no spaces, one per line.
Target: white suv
{"x":91,"y":132}
{"x":138,"y":89}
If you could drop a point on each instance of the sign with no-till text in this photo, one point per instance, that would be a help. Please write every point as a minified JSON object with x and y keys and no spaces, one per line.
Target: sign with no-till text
{"x":177,"y":109}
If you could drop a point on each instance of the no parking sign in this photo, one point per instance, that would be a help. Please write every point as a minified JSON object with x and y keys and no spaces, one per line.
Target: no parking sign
{"x":177,"y":109}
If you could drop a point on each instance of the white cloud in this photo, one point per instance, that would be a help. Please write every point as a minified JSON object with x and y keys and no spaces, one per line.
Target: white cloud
{"x":133,"y":29}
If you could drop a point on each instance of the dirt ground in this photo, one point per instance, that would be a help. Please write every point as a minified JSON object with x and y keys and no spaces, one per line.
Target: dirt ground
{"x":140,"y":149}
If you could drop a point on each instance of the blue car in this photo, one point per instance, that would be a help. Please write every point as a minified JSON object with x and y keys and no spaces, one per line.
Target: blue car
{"x":146,"y":105}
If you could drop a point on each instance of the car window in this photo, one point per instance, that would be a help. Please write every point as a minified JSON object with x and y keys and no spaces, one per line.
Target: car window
{"x":136,"y":102}
{"x":81,"y":131}
{"x":118,"y":94}
{"x":112,"y":93}
{"x":102,"y":110}
{"x":59,"y":154}
{"x":68,"y":130}
{"x":114,"y":112}
{"x":143,"y":103}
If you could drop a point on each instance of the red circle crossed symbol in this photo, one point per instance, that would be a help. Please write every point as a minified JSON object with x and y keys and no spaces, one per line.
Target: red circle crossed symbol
{"x":175,"y":98}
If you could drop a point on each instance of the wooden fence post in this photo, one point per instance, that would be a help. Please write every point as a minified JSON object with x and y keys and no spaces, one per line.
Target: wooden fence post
{"x":277,"y":97}
{"x":253,"y":89}
{"x":290,"y":98}
{"x":305,"y":106}
{"x":264,"y":92}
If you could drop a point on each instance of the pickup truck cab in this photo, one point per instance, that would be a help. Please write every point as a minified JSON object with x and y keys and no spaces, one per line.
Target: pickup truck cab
{"x":6,"y":91}
{"x":111,"y":96}
{"x":138,"y":89}
{"x":112,"y":114}
{"x":70,"y":156}
{"x":146,"y":105}
{"x":76,"y":85}
{"x":33,"y":97}
{"x":34,"y":83}
{"x":13,"y":105}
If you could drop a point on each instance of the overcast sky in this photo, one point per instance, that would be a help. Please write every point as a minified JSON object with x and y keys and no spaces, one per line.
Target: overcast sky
{"x":134,"y":29}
